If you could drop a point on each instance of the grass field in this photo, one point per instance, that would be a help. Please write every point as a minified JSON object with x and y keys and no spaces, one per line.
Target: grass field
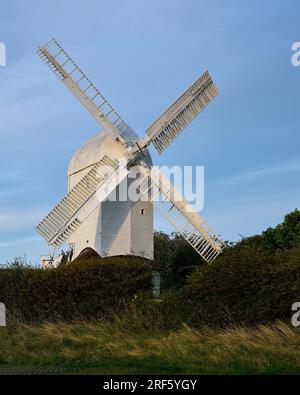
{"x":96,"y":348}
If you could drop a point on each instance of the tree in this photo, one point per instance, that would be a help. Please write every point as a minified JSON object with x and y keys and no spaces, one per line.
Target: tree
{"x":285,"y":235}
{"x":174,"y":258}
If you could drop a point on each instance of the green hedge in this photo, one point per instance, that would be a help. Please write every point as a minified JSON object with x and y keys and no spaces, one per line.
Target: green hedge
{"x":90,"y":289}
{"x":244,"y":285}
{"x":255,"y":280}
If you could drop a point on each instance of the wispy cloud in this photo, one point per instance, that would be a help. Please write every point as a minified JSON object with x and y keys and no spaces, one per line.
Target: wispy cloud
{"x":253,"y":175}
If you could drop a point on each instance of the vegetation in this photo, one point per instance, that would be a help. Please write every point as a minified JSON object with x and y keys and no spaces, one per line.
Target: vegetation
{"x":103,"y":347}
{"x":174,"y":258}
{"x":255,"y":280}
{"x":245,"y":285}
{"x":177,"y":260}
{"x":86,"y":289}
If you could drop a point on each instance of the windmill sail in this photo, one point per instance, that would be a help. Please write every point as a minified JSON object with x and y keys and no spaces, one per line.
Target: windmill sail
{"x":83,"y":89}
{"x":181,"y":113}
{"x":179,"y":213}
{"x":78,"y":204}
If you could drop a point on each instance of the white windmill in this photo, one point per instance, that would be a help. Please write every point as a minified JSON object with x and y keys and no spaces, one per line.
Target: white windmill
{"x":85,"y":217}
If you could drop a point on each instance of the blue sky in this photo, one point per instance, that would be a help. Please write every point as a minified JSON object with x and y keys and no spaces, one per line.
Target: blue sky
{"x":142,"y":55}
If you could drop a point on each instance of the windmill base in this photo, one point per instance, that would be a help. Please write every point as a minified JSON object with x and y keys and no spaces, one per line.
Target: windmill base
{"x":117,"y":228}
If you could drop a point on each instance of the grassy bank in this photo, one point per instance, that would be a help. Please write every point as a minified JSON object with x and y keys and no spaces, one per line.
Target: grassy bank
{"x":266,"y":349}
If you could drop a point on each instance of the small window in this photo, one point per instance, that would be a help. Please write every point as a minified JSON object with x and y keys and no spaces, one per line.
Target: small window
{"x":143,"y":211}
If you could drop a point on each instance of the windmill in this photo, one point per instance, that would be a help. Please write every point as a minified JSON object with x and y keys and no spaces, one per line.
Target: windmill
{"x":84,"y":217}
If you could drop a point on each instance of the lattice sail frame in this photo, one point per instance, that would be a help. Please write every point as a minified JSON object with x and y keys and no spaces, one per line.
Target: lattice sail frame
{"x":181,"y":113}
{"x":61,"y":64}
{"x":78,"y":204}
{"x":179,"y":213}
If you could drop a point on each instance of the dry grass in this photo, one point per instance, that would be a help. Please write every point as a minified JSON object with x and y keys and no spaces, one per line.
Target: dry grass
{"x":265,"y":349}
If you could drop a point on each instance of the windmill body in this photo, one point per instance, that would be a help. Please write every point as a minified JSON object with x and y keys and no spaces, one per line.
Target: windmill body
{"x":115,"y":227}
{"x":86,"y":216}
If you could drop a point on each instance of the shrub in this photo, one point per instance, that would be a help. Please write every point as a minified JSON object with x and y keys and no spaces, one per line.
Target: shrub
{"x":89,"y":289}
{"x":244,"y":285}
{"x":174,"y":258}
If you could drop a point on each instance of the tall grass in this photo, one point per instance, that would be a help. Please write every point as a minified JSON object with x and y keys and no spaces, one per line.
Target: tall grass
{"x":272,"y":348}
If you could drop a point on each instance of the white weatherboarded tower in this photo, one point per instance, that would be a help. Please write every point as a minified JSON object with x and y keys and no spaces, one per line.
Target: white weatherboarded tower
{"x":114,"y":227}
{"x":88,"y":216}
